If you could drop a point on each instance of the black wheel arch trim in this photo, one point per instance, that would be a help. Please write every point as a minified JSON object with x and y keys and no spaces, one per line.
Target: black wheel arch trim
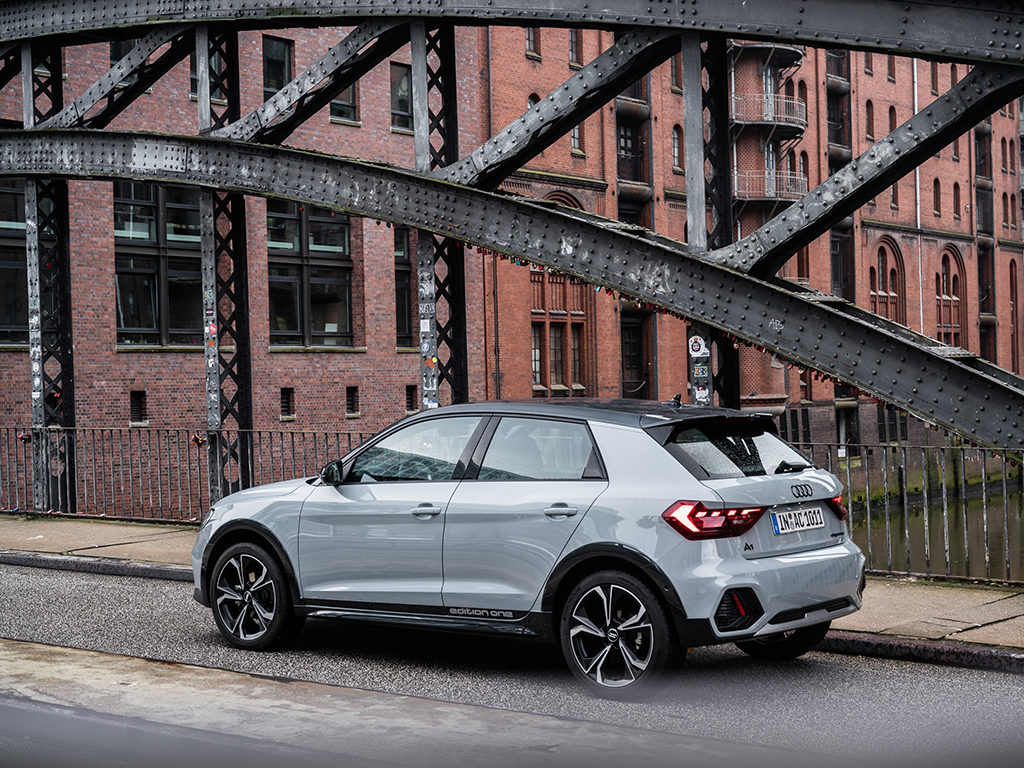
{"x":621,"y":552}
{"x":260,"y":534}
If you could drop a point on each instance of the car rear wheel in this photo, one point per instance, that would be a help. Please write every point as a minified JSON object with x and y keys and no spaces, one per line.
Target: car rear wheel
{"x":250,"y":600}
{"x":787,"y":645}
{"x":614,"y":634}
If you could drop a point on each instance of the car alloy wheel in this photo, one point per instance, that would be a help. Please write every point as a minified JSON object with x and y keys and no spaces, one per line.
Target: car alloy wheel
{"x":614,"y":633}
{"x":785,"y":646}
{"x":249,"y":597}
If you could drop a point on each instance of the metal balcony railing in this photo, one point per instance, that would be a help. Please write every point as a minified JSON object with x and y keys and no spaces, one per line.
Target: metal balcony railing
{"x":769,"y":185}
{"x":761,"y":108}
{"x":633,"y":167}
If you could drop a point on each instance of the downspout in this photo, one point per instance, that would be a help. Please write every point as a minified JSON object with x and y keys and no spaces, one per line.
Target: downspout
{"x":917,"y":215}
{"x":494,"y":256}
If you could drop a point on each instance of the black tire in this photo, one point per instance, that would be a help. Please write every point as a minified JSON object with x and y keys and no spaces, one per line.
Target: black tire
{"x":250,"y":598}
{"x":787,"y":645}
{"x":614,"y":634}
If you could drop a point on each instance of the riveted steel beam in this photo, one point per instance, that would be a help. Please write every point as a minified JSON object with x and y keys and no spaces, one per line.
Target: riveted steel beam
{"x":982,"y":30}
{"x":126,"y":80}
{"x":634,"y":54}
{"x":10,"y":63}
{"x":980,"y":93}
{"x":364,"y":48}
{"x":870,"y":355}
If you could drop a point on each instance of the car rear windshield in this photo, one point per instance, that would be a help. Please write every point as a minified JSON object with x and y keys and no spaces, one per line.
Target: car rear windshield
{"x":714,"y":450}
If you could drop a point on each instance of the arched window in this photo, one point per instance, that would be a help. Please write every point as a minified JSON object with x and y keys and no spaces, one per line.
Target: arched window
{"x":533,"y":100}
{"x":1002,"y":155}
{"x":886,"y":283}
{"x":803,"y":166}
{"x":677,"y":147}
{"x":935,"y":77}
{"x":950,"y":306}
{"x":937,"y":197}
{"x":956,"y":201}
{"x":869,"y":120}
{"x":1013,"y":155}
{"x":1006,"y":211}
{"x":891,"y":68}
{"x":956,"y":149}
{"x":790,"y":89}
{"x":953,"y":79}
{"x":791,"y":163}
{"x":801,"y":91}
{"x":1013,"y":211}
{"x":892,"y":119}
{"x":1014,"y":322}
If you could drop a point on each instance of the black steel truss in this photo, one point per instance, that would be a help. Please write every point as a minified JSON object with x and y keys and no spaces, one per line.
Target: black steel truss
{"x":364,"y":48}
{"x":982,"y":30}
{"x":126,"y":80}
{"x":874,"y":355}
{"x":633,"y":55}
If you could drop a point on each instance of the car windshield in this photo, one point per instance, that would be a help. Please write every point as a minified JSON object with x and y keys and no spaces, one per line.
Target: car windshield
{"x":731,"y":449}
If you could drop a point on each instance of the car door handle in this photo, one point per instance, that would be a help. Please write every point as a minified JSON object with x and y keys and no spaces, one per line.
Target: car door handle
{"x":426,"y":511}
{"x":560,"y":511}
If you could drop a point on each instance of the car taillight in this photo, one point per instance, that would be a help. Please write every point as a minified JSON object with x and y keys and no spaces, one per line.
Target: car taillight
{"x":695,"y":521}
{"x":836,"y":505}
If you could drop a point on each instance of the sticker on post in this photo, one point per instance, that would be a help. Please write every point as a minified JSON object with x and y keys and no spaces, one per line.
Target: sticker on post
{"x":699,"y":347}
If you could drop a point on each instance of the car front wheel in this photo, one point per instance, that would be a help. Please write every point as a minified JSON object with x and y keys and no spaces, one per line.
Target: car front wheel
{"x":614,"y":634}
{"x":787,"y":645}
{"x":249,"y":596}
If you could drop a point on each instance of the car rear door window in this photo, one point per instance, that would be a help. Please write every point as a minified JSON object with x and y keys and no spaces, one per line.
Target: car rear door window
{"x":427,"y":450}
{"x":540,"y":449}
{"x":730,"y":449}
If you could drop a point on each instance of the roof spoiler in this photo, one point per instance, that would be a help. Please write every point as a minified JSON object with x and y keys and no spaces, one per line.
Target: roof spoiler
{"x":661,"y":428}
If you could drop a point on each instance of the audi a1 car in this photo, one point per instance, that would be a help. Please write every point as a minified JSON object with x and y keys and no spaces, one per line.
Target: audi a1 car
{"x":619,"y":529}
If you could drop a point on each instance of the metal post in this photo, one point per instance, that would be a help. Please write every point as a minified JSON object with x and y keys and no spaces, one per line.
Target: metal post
{"x":225,"y":283}
{"x":47,"y":259}
{"x":440,"y":261}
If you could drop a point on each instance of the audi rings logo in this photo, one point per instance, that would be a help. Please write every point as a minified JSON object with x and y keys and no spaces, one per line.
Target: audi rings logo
{"x":802,"y":490}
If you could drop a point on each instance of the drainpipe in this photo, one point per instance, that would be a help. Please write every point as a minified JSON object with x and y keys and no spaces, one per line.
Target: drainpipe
{"x":494,"y":257}
{"x":917,"y":214}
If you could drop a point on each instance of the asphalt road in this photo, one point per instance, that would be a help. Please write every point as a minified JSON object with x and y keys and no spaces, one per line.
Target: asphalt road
{"x":874,"y":711}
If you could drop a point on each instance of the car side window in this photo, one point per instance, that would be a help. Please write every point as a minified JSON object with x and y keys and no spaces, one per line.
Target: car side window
{"x":539,"y":449}
{"x":427,"y":450}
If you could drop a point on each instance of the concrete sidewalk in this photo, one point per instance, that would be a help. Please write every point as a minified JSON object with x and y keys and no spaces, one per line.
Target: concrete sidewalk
{"x":943,"y":622}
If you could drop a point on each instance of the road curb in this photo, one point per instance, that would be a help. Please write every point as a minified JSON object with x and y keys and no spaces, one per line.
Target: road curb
{"x":929,"y":651}
{"x":104,"y":565}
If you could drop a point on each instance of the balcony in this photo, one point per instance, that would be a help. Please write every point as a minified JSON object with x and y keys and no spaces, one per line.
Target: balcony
{"x":783,"y":54}
{"x":632,"y":167}
{"x":785,"y":112}
{"x":768,"y":185}
{"x":837,"y":71}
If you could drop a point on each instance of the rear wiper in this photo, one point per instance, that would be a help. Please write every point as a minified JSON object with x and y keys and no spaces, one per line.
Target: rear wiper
{"x":785,"y":466}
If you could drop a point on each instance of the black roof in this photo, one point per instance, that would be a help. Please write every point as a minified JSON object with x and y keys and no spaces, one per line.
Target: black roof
{"x":628,"y":412}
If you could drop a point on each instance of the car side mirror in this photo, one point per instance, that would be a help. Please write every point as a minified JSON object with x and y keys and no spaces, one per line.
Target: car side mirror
{"x":333,"y":473}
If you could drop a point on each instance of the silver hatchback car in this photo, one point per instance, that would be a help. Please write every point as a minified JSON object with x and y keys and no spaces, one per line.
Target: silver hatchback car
{"x":621,"y":529}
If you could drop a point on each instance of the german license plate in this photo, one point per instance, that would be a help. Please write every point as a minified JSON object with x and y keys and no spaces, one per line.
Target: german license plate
{"x":793,"y":520}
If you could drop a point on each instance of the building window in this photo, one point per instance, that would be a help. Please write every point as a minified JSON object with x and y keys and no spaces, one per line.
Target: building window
{"x":404,"y":292}
{"x":533,"y":42}
{"x":532,"y":101}
{"x":953,"y":78}
{"x":158,"y":281}
{"x":868,"y":63}
{"x":576,"y":345}
{"x":401,"y":97}
{"x":937,"y":197}
{"x":576,"y":139}
{"x":891,"y":68}
{"x":885,"y":280}
{"x":1003,"y":165}
{"x":351,"y":401}
{"x":676,"y":72}
{"x":935,"y":77}
{"x":804,"y":162}
{"x":13,"y":269}
{"x":287,"y":403}
{"x":411,"y":392}
{"x":310,"y":275}
{"x":118,"y":50}
{"x":536,"y":353}
{"x":869,"y":120}
{"x":1013,"y":156}
{"x":1006,"y":211}
{"x":1013,"y":211}
{"x":217,"y":69}
{"x":949,"y":308}
{"x":556,"y":368}
{"x":677,"y":148}
{"x":956,"y":201}
{"x":343,"y":106}
{"x":137,"y":407}
{"x":956,"y":149}
{"x":277,"y":65}
{"x":576,"y":46}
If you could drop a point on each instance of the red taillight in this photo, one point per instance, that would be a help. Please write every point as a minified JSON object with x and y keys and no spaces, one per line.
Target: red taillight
{"x":836,"y":505}
{"x":695,"y":521}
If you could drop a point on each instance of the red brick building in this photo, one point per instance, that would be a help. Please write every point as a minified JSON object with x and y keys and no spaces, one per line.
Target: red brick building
{"x":333,"y":334}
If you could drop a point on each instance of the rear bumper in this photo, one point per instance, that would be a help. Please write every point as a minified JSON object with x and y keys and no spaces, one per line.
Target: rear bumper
{"x":793,"y":591}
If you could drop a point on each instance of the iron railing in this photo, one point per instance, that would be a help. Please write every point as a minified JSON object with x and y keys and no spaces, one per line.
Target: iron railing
{"x":932,"y":510}
{"x":764,"y":108}
{"x":914,"y":510}
{"x":769,"y":185}
{"x":161,"y":474}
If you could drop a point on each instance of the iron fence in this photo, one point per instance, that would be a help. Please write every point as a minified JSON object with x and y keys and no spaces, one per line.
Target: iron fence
{"x":932,"y":510}
{"x":914,"y":510}
{"x":161,"y":474}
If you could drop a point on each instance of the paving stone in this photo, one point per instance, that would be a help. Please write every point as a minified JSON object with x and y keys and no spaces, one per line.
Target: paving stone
{"x":1009,"y":633}
{"x":998,"y":610}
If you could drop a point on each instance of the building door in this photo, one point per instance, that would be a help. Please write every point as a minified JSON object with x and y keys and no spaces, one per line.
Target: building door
{"x":634,"y":358}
